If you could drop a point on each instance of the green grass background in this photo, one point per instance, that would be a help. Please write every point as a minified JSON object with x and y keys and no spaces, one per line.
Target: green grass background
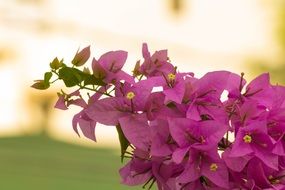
{"x":40,"y":163}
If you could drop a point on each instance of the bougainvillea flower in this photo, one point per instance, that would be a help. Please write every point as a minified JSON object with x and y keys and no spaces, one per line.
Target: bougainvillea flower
{"x":188,"y":134}
{"x":135,"y":95}
{"x":81,"y":57}
{"x":265,"y":177}
{"x":276,"y":129}
{"x":206,"y":94}
{"x":136,"y":130}
{"x":60,"y":104}
{"x":130,"y":99}
{"x":86,"y":125}
{"x":260,"y":89}
{"x":178,"y":131}
{"x":218,"y":81}
{"x":147,"y":171}
{"x":155,"y":64}
{"x":256,"y":172}
{"x":209,"y":165}
{"x":162,"y":143}
{"x":136,"y":172}
{"x":236,"y":164}
{"x":253,"y":139}
{"x":109,"y":67}
{"x":108,"y":111}
{"x":244,"y":114}
{"x":278,"y":98}
{"x":156,"y":109}
{"x":164,"y":173}
{"x":174,"y":89}
{"x":65,"y":100}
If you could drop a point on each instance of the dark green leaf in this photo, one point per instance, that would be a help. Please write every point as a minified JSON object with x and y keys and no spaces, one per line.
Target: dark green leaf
{"x":86,"y":70}
{"x":71,"y":76}
{"x":56,"y":64}
{"x":124,"y":143}
{"x":92,"y":80}
{"x":40,"y":85}
{"x":47,"y":77}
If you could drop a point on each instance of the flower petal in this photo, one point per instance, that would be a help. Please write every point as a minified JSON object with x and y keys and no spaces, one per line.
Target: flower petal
{"x":136,"y":130}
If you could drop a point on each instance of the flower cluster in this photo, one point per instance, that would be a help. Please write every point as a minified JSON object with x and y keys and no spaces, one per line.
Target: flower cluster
{"x":176,"y":130}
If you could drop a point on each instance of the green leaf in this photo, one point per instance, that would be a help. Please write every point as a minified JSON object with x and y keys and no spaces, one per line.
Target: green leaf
{"x":40,"y":85}
{"x":92,"y":80}
{"x":124,"y":143}
{"x":43,"y":84}
{"x":56,"y":64}
{"x":47,"y":77}
{"x":71,"y":76}
{"x":86,"y":70}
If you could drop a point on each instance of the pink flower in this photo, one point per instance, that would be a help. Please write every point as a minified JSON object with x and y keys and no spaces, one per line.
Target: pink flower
{"x":174,"y":128}
{"x":253,"y":139}
{"x":155,"y":64}
{"x":109,"y":65}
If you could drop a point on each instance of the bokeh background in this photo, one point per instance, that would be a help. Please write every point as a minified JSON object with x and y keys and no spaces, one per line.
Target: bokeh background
{"x":38,"y":148}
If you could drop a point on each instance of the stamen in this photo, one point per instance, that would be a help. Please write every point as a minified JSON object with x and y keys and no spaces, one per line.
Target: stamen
{"x":213,"y":167}
{"x":241,"y":80}
{"x":246,"y":94}
{"x":130,"y":95}
{"x":171,"y":76}
{"x":247,"y":139}
{"x":274,"y":180}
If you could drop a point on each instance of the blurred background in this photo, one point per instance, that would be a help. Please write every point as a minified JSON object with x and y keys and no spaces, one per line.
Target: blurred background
{"x":38,"y":148}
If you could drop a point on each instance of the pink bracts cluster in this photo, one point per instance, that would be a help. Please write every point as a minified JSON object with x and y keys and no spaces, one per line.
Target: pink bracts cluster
{"x":178,"y":133}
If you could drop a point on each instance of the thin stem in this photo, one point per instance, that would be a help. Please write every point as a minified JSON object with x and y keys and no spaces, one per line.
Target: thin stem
{"x":227,"y":138}
{"x":132,"y":146}
{"x":87,"y":88}
{"x":54,"y":81}
{"x":141,"y":77}
{"x":111,"y":90}
{"x":168,"y":84}
{"x":53,"y":71}
{"x":150,"y":186}
{"x":147,"y":182}
{"x":241,"y":80}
